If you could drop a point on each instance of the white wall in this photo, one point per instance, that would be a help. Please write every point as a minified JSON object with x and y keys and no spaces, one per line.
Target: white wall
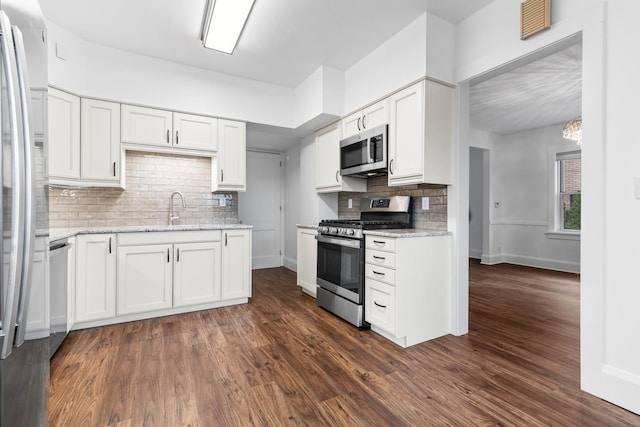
{"x":610,"y":320}
{"x":101,"y":72}
{"x":291,"y":206}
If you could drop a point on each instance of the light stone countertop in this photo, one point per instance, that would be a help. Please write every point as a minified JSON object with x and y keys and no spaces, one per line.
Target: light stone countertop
{"x":314,"y":226}
{"x":407,"y":232}
{"x":62,"y":233}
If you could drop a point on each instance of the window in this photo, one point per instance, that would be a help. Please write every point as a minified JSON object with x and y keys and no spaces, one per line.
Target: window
{"x":569,"y":186}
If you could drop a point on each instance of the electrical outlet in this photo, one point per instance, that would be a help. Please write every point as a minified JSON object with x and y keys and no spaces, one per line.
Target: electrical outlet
{"x":223,"y":202}
{"x":350,"y":203}
{"x":425,"y":203}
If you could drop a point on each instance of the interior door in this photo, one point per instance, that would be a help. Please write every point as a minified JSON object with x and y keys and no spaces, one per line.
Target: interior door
{"x":260,"y":206}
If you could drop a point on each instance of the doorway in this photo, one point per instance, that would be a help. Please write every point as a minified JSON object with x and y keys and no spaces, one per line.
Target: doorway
{"x":261,"y":206}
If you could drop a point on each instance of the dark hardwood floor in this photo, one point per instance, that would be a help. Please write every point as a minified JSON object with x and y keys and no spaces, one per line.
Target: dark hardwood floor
{"x":281,"y":360}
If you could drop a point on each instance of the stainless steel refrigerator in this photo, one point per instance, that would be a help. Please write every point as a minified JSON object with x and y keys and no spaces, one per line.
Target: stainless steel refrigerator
{"x":24,"y":364}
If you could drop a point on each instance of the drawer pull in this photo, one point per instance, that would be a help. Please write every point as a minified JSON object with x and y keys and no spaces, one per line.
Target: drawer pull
{"x":379,"y":242}
{"x":377,"y":273}
{"x":379,"y":257}
{"x":380,"y":305}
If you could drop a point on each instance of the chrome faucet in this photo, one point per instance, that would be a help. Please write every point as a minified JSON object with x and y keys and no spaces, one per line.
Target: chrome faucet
{"x":184,"y":205}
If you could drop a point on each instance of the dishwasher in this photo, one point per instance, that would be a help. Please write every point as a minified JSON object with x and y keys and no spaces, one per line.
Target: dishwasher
{"x":58,"y":284}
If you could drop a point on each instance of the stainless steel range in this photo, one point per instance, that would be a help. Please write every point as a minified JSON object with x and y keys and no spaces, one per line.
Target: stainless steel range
{"x":341,"y":254}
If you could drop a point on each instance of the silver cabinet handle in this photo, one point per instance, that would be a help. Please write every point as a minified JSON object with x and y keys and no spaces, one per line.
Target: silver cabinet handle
{"x":114,"y":169}
{"x":390,"y":166}
{"x":178,"y":255}
{"x":379,"y":242}
{"x":168,"y":254}
{"x":337,"y":172}
{"x":167,"y":136}
{"x":176,"y":137}
{"x":364,"y":118}
{"x":380,"y":305}
{"x":379,"y":257}
{"x":359,"y":123}
{"x":221,"y":175}
{"x":225,"y":239}
{"x":109,"y":244}
{"x":377,"y":273}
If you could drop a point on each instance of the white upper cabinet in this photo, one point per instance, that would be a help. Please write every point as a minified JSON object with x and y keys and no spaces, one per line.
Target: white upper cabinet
{"x":100,"y":141}
{"x":420,"y":134}
{"x":166,"y":131}
{"x":328,"y":178}
{"x":228,"y":168}
{"x":195,"y":132}
{"x":64,"y":135}
{"x":374,"y":115}
{"x":147,"y":126}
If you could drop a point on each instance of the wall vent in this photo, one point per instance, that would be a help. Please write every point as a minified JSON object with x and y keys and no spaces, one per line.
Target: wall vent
{"x":535,"y":16}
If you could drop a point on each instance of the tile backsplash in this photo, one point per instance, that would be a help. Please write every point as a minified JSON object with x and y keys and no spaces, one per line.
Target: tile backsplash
{"x":435,"y":218}
{"x":150,"y":180}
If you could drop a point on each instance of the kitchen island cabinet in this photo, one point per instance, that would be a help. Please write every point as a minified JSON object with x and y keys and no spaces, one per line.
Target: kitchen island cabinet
{"x":407,"y":285}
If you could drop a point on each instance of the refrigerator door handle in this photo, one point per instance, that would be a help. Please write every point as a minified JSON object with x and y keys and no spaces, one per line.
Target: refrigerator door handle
{"x":28,"y":174}
{"x":13,"y":282}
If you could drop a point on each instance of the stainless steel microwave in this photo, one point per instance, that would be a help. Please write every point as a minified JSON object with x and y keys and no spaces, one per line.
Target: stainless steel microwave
{"x":365,"y":154}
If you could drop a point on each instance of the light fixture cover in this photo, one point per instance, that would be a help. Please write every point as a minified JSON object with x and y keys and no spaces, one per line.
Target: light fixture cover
{"x":224,"y":22}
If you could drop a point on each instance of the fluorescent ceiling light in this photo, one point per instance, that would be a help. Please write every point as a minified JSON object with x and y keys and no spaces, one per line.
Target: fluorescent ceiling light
{"x":224,"y":23}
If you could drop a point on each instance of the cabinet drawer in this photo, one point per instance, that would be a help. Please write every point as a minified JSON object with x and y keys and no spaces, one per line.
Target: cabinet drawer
{"x":383,"y":259}
{"x":380,"y":305}
{"x":382,"y":274}
{"x":381,"y":243}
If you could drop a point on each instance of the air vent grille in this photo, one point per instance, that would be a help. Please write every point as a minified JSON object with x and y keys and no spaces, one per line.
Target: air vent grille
{"x":535,"y":16}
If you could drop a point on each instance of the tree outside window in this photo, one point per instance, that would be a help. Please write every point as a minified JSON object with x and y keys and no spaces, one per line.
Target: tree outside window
{"x":569,"y":167}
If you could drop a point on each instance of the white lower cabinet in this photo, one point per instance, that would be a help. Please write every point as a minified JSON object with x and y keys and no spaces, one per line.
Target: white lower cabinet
{"x":95,"y":277}
{"x":197,"y":275}
{"x":159,"y":273}
{"x":236,"y":264}
{"x":307,"y":259}
{"x":144,"y":278}
{"x":38,"y":316}
{"x":407,"y":287}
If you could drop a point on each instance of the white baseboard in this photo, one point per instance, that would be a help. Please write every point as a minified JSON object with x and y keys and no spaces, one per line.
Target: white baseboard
{"x":475,"y":253}
{"x":621,"y":387}
{"x":547,"y":264}
{"x":290,"y":263}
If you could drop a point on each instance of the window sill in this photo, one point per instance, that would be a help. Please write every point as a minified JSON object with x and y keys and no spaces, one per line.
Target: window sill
{"x":563,"y":235}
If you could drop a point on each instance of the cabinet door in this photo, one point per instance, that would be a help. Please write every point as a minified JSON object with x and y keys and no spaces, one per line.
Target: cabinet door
{"x":380,"y":305}
{"x":144,"y":278}
{"x":307,"y":259}
{"x":95,"y":277}
{"x":146,"y":126}
{"x":197,"y":275}
{"x":230,"y":165}
{"x":406,"y":135}
{"x":100,"y":135}
{"x":376,"y":114}
{"x":64,"y":135}
{"x":328,"y":176}
{"x":195,"y":132}
{"x":236,"y":264}
{"x":352,"y":124}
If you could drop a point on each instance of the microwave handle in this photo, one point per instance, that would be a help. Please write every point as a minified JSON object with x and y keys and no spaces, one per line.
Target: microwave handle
{"x":369,"y":154}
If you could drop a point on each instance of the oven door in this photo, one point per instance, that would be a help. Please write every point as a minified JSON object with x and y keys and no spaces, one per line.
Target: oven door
{"x":341,"y":267}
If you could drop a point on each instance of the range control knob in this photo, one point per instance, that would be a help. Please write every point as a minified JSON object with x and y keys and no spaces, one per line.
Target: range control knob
{"x":351,"y":232}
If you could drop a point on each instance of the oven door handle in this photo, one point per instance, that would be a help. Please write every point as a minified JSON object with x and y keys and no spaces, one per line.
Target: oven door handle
{"x":349,"y":243}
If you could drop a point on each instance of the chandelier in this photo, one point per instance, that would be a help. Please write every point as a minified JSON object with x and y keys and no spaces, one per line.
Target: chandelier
{"x":573,"y":130}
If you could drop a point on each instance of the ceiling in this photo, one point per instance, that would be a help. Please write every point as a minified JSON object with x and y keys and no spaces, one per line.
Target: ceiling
{"x":541,"y":93}
{"x":283,"y":42}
